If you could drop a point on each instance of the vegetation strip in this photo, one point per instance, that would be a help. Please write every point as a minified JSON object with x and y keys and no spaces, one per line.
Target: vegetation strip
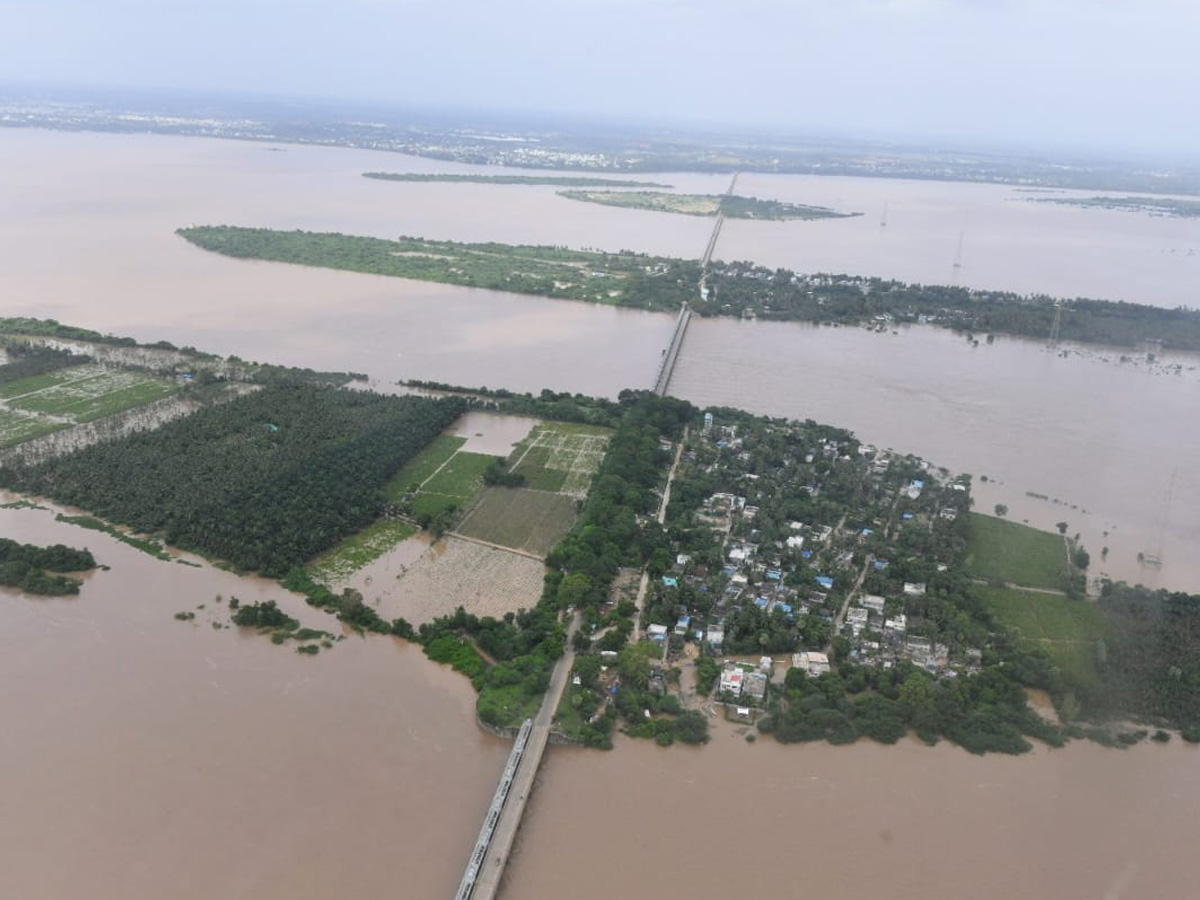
{"x":554,"y":180}
{"x":732,"y":289}
{"x":731,"y":206}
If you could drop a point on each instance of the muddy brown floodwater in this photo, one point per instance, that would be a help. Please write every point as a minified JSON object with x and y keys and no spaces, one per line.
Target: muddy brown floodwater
{"x":909,"y":822}
{"x":146,"y":757}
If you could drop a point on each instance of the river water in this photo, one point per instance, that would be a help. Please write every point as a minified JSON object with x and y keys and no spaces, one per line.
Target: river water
{"x":163,"y":758}
{"x":147,"y":757}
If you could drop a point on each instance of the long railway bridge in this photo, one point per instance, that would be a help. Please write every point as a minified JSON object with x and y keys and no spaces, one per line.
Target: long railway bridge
{"x":485,"y":866}
{"x":489,"y":856}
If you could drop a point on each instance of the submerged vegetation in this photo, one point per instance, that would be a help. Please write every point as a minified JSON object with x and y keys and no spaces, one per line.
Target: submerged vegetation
{"x":30,"y":568}
{"x":1175,"y":207}
{"x":729,"y":205}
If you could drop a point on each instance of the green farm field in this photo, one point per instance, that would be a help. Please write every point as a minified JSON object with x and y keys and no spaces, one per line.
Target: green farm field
{"x":422,"y":467}
{"x":1014,"y":553}
{"x":1065,"y":628}
{"x":523,"y":519}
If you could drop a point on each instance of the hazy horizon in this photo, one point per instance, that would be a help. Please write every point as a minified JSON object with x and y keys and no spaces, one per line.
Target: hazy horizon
{"x":1097,"y":76}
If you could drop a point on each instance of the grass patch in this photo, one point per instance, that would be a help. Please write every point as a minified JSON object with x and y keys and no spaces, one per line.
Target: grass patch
{"x":1065,"y":628}
{"x":461,"y":477}
{"x":1015,"y":553}
{"x":507,"y":705}
{"x":432,"y":504}
{"x":518,"y":518}
{"x":423,"y":465}
{"x":357,"y":550}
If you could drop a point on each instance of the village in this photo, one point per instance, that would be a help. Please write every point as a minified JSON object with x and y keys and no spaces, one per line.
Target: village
{"x":797,"y":551}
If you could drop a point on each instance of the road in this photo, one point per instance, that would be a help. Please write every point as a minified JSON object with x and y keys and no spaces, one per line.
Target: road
{"x":644,"y":584}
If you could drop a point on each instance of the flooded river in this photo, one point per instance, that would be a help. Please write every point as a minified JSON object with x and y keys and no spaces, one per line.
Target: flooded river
{"x":146,"y":757}
{"x":908,"y":822}
{"x":149,"y":757}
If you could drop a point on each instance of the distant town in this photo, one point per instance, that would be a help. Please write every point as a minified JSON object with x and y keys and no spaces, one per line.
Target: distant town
{"x":577,"y":146}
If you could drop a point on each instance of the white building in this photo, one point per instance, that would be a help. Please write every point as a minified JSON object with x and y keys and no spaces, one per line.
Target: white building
{"x":732,"y":679}
{"x":812,"y":662}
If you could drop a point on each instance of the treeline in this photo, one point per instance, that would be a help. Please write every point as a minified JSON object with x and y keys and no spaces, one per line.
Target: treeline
{"x":985,"y":712}
{"x":554,"y":180}
{"x":24,"y":325}
{"x":744,"y":288}
{"x":559,"y":407}
{"x":26,"y":359}
{"x":264,"y":481}
{"x":1149,"y":663}
{"x":581,"y":568}
{"x":27,"y":567}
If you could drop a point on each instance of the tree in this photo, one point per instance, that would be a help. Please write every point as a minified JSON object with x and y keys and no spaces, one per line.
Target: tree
{"x":1001,"y":509}
{"x":916,"y":692}
{"x":1062,"y":528}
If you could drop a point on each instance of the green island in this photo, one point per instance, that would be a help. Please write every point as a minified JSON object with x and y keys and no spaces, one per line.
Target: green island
{"x":621,"y":279}
{"x":553,"y":180}
{"x":1174,"y":207}
{"x":730,"y":206}
{"x":799,"y":583}
{"x":741,"y":290}
{"x":37,"y":570}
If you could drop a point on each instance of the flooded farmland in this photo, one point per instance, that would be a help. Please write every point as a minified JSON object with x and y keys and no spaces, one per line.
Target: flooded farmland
{"x":149,"y":757}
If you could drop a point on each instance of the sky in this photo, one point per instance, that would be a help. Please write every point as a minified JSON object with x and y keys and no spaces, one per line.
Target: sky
{"x":1098,"y":75}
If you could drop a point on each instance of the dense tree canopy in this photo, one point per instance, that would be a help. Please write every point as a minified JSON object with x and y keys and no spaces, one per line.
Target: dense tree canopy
{"x":265,"y":481}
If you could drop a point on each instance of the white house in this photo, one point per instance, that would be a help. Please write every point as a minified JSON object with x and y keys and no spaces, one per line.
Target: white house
{"x":812,"y":662}
{"x":731,"y":680}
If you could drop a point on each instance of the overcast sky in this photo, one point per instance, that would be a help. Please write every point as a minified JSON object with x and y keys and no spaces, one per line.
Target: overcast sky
{"x":1099,"y":74}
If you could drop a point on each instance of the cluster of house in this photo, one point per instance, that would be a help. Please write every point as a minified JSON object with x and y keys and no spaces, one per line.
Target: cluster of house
{"x":760,"y":573}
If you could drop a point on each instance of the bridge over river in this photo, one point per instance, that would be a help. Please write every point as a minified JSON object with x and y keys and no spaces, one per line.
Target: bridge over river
{"x":671,"y":355}
{"x":485,"y":867}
